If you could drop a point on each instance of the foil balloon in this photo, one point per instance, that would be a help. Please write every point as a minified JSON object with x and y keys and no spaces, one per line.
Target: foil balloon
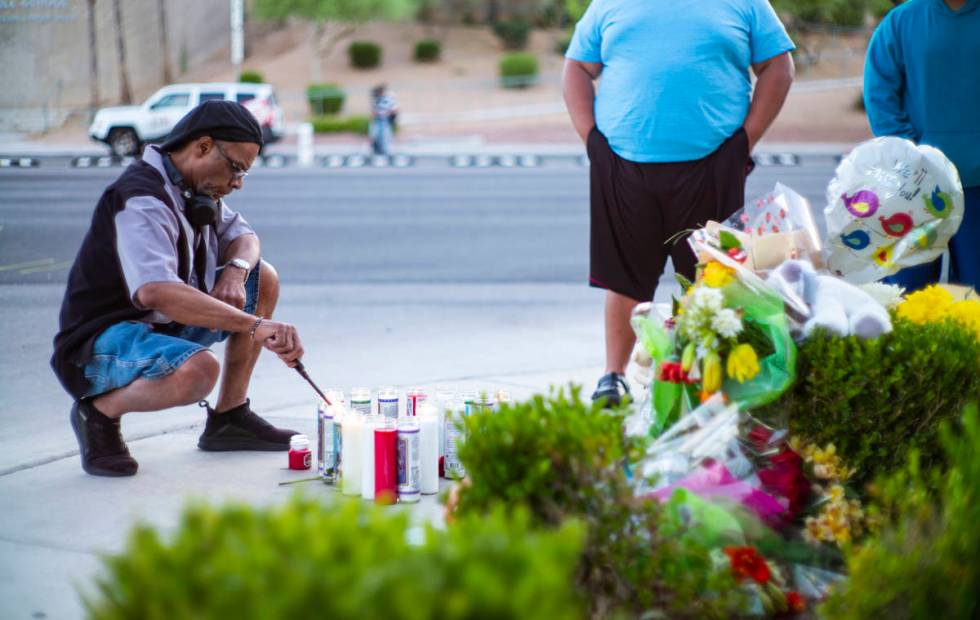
{"x":892,"y":204}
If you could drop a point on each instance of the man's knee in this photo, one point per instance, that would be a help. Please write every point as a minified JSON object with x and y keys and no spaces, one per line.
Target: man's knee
{"x":197,"y":376}
{"x":268,"y":288}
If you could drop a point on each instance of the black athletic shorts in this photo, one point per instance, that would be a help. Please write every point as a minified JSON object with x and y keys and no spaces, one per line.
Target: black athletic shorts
{"x":639,"y":211}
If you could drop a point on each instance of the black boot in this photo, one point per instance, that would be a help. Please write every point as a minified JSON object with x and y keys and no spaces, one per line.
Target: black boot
{"x":613,"y":388}
{"x":104,"y":453}
{"x":241,"y":429}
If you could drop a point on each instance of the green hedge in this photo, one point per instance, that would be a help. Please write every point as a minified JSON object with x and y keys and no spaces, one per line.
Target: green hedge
{"x":364,"y":54}
{"x":427,"y":50}
{"x":923,"y":563}
{"x":347,"y":561}
{"x":325,"y":98}
{"x":341,"y":124}
{"x":562,"y":459}
{"x":518,"y":70}
{"x":251,"y":77}
{"x":877,"y":399}
{"x":513,"y":33}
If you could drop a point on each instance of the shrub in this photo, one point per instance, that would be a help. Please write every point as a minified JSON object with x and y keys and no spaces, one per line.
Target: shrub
{"x":325,"y":98}
{"x":923,"y":562}
{"x":877,"y":399}
{"x":518,"y":70}
{"x":341,"y":124}
{"x":561,"y":459}
{"x":427,"y":50}
{"x":364,"y":54}
{"x":346,"y":561}
{"x":251,"y":77}
{"x":561,"y":46}
{"x":513,"y":33}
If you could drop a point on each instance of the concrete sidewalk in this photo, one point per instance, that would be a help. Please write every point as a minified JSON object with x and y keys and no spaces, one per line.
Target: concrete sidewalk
{"x":56,"y":520}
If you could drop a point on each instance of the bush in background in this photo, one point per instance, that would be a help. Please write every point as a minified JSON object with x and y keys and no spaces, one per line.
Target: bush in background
{"x":364,"y":54}
{"x":341,"y":124}
{"x":251,"y":77}
{"x":325,"y":98}
{"x":427,"y":50}
{"x":564,"y":459}
{"x":518,"y":70}
{"x":346,"y":561}
{"x":877,"y":399}
{"x":923,"y":562}
{"x":513,"y":33}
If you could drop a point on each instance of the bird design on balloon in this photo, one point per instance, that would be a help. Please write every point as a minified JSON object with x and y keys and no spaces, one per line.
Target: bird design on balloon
{"x":883,"y":256}
{"x":939,"y":203}
{"x":897,"y":225}
{"x":863,"y":203}
{"x":856,"y":240}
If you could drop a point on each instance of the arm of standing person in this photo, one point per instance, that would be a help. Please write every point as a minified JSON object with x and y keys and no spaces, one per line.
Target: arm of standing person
{"x":884,"y":80}
{"x":578,"y":89}
{"x":185,"y":304}
{"x":774,"y":77}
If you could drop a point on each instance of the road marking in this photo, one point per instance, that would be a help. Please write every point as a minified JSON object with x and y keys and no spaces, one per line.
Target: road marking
{"x":52,"y":267}
{"x":30,"y":263}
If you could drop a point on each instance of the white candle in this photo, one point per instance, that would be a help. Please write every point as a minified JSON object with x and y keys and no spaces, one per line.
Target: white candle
{"x":367,"y":456}
{"x":444,"y":400}
{"x":351,"y":429}
{"x":428,"y":417}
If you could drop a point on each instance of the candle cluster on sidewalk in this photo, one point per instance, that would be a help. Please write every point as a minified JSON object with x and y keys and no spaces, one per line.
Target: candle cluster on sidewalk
{"x":389,"y":448}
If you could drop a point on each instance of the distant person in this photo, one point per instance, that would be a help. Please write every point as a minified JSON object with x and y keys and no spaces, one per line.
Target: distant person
{"x":922,"y":82}
{"x":384,"y":113}
{"x":669,"y":136}
{"x":165,"y":271}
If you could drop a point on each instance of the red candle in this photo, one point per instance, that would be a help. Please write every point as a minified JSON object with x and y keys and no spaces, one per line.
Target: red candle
{"x":386,"y":463}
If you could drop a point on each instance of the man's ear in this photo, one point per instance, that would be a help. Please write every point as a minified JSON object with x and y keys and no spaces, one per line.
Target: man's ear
{"x":204,"y":145}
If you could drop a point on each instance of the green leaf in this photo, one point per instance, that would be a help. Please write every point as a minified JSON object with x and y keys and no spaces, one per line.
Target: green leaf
{"x":729,"y":241}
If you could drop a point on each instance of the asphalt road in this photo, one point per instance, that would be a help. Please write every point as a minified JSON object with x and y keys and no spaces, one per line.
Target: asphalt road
{"x":402,"y":277}
{"x":363,"y":226}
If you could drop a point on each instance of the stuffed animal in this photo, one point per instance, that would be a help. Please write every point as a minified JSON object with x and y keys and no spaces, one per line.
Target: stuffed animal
{"x":835,"y":305}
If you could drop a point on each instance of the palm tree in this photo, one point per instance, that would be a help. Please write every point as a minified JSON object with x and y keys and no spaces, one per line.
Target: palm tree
{"x":125,"y":94}
{"x":164,"y":42}
{"x":93,"y":47}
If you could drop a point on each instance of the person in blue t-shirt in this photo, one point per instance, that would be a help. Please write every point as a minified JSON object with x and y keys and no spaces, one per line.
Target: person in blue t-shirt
{"x":669,"y":136}
{"x":922,"y":82}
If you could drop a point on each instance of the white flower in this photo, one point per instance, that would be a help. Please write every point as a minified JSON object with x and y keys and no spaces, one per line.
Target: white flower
{"x":707,"y":299}
{"x":888,"y":295}
{"x":726,"y":323}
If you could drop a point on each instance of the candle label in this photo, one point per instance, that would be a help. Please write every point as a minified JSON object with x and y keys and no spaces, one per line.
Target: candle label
{"x":409,"y":465}
{"x":454,"y":438}
{"x":413,"y":399}
{"x":326,"y":457}
{"x":388,"y":406}
{"x":361,"y":405}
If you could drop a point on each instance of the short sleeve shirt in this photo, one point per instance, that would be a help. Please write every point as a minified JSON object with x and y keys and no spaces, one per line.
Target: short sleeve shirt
{"x":147,"y":233}
{"x":675,"y":77}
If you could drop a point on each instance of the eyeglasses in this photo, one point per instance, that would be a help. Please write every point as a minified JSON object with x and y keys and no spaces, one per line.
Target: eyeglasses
{"x":236,"y":171}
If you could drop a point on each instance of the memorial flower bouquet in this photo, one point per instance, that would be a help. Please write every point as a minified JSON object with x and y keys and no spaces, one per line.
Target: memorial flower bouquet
{"x":728,"y":334}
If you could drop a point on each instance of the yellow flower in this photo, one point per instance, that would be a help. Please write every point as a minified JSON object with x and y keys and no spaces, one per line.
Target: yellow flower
{"x":836,"y":493}
{"x":966,"y":313}
{"x":743,"y":363}
{"x":711,"y":373}
{"x":926,"y":305}
{"x":717,"y":275}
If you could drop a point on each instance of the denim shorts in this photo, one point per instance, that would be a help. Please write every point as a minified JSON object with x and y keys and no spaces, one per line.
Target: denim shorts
{"x":130,"y":350}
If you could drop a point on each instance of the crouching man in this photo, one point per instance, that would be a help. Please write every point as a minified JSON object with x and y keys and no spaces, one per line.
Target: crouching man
{"x":166,"y":270}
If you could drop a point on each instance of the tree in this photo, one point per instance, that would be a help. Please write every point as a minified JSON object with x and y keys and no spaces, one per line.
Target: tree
{"x":125,"y":94}
{"x":164,"y":42}
{"x":333,"y":20}
{"x":93,"y":46}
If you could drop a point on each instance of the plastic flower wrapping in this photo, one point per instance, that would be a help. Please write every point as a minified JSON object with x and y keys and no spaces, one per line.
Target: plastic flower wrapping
{"x":892,"y":204}
{"x":729,"y":334}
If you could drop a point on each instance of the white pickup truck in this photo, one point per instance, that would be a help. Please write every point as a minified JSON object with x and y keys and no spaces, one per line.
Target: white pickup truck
{"x":126,"y":129}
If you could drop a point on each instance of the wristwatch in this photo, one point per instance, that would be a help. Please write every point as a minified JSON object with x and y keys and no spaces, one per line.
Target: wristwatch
{"x":240,"y":263}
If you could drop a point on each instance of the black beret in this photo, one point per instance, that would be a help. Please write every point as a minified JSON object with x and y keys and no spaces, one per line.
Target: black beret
{"x":222,"y":120}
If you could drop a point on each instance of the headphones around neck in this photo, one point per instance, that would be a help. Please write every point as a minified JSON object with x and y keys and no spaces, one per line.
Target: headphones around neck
{"x":200,"y":210}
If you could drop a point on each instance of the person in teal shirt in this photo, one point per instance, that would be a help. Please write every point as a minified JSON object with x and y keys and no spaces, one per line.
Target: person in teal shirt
{"x":922,"y":82}
{"x":669,"y":136}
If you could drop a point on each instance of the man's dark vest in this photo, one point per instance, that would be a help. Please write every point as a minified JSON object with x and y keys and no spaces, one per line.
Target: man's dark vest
{"x":97,"y":295}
